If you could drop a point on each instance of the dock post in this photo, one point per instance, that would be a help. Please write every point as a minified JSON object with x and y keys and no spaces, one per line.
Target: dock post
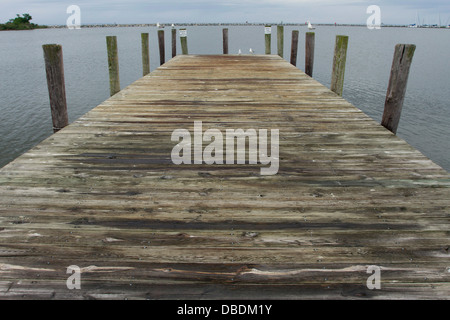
{"x":268,"y":38}
{"x":225,"y":40}
{"x":398,"y":80}
{"x":145,"y":54}
{"x":183,"y":40}
{"x":280,"y":40}
{"x":162,"y":47}
{"x":113,"y":65}
{"x":174,"y":42}
{"x":294,"y":47}
{"x":340,"y":56}
{"x":54,"y":67}
{"x":309,"y":53}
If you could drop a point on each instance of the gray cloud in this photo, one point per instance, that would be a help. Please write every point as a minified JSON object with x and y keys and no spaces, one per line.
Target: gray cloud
{"x":148,"y":11}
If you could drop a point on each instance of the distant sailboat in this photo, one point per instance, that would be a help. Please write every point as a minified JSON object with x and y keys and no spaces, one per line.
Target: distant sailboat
{"x":310,"y":27}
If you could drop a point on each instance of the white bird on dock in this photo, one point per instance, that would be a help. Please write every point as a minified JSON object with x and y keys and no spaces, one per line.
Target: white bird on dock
{"x":251,"y":51}
{"x":310,"y":27}
{"x":239,"y":52}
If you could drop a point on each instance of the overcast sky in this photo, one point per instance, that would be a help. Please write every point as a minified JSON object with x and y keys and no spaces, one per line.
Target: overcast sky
{"x":53,"y":12}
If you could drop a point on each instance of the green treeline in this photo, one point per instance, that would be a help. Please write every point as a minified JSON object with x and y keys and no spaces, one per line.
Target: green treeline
{"x":20,"y":23}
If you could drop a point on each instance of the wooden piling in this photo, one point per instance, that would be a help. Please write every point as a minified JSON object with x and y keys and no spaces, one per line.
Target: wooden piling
{"x":162,"y":47}
{"x":340,"y":56}
{"x":398,"y":80}
{"x":183,"y":40}
{"x":268,"y":38}
{"x":54,"y":67}
{"x":294,"y":47}
{"x":113,"y":64}
{"x":145,"y":54}
{"x":309,"y":53}
{"x":225,"y":40}
{"x":174,"y":42}
{"x":280,"y":40}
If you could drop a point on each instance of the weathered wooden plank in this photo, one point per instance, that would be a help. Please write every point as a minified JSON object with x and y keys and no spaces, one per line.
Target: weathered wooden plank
{"x":104,"y":194}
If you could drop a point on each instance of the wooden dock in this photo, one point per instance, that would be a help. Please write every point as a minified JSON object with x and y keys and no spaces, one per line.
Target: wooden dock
{"x":104,"y":195}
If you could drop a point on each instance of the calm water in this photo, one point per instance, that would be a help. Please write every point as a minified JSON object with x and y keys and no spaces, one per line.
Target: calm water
{"x":24,"y":106}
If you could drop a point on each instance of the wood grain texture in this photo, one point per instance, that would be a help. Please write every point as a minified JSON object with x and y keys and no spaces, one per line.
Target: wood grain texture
{"x":184,"y":44}
{"x":103,"y":194}
{"x":309,"y":52}
{"x":294,"y":47}
{"x":339,"y":59}
{"x":398,"y":81}
{"x":280,"y":41}
{"x":268,"y":41}
{"x":54,"y":69}
{"x":225,"y":40}
{"x":113,"y":64}
{"x":162,"y":47}
{"x":174,"y":42}
{"x":145,"y":53}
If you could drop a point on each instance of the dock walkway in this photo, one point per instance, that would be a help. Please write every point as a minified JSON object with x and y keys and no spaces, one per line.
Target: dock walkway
{"x":103,"y":194}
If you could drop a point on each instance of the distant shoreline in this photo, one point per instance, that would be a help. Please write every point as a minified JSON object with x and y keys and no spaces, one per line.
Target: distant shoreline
{"x":239,"y":24}
{"x":29,"y":29}
{"x":87,"y":26}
